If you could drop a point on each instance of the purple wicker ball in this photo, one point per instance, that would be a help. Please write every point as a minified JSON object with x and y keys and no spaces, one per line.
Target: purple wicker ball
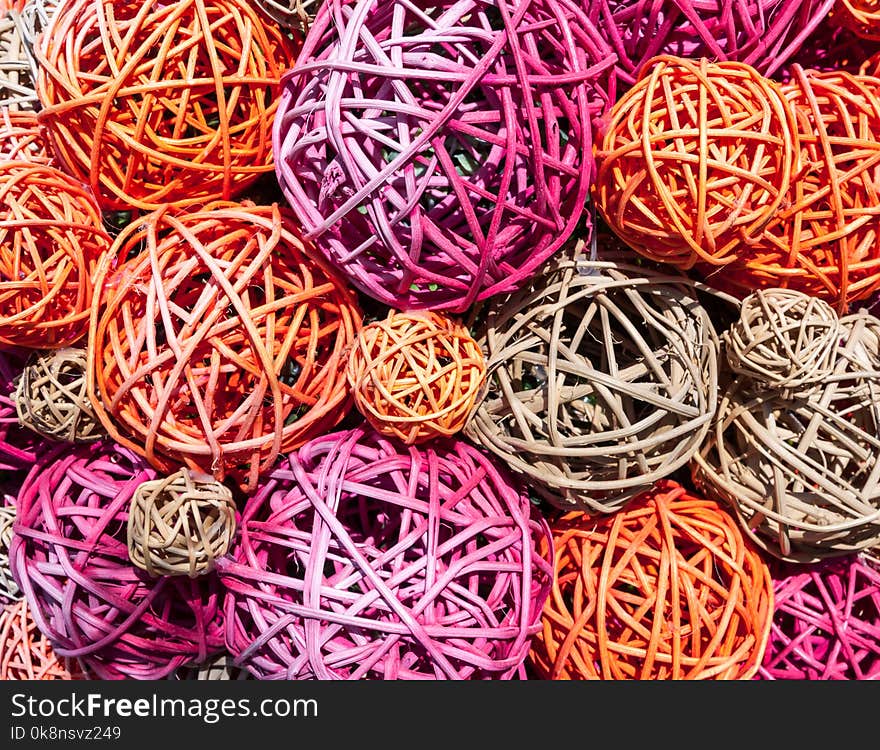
{"x":19,"y":447}
{"x":826,"y":624}
{"x":360,"y":558}
{"x":70,"y":558}
{"x":762,"y":33}
{"x":439,"y":153}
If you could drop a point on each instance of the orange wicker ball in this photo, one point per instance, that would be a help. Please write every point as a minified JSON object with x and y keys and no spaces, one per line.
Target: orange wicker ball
{"x":51,"y":241}
{"x":165,"y":102}
{"x":26,"y":654}
{"x":21,"y":138}
{"x":666,"y":588}
{"x":221,"y":343}
{"x":825,"y":240}
{"x":695,"y":159}
{"x":416,"y":375}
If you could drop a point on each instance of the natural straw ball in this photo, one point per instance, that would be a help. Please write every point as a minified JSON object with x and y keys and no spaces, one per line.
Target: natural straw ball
{"x":9,"y":591}
{"x":21,"y":138}
{"x":70,"y":557}
{"x":291,"y":14}
{"x":163,"y":102}
{"x":802,"y":469}
{"x":784,"y":339}
{"x":825,"y":240}
{"x":762,"y":33}
{"x":696,"y":158}
{"x":27,"y":654}
{"x":221,"y":342}
{"x":222,"y":667}
{"x":180,"y":524}
{"x":16,"y":79}
{"x":360,"y":558}
{"x":602,"y":380}
{"x":826,"y":622}
{"x":439,"y":153}
{"x":666,"y":589}
{"x":51,"y":397}
{"x":416,"y":375}
{"x":51,"y":241}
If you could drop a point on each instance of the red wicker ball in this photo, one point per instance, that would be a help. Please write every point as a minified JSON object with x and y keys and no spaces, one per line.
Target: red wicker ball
{"x":360,"y":558}
{"x":439,"y":153}
{"x":21,"y":138}
{"x":163,"y":102}
{"x":826,"y":621}
{"x":51,"y":241}
{"x":762,"y":33}
{"x":666,"y":589}
{"x":70,"y":558}
{"x":221,"y":342}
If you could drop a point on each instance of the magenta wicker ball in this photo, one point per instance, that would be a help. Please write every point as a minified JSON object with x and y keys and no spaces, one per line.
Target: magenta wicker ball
{"x":69,"y":557}
{"x":438,"y":153}
{"x":360,"y":558}
{"x":18,"y":446}
{"x":762,"y":33}
{"x":826,"y":624}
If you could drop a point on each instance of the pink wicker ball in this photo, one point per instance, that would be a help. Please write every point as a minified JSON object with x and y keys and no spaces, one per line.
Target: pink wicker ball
{"x":70,"y":559}
{"x":18,"y":446}
{"x":826,"y":624}
{"x":360,"y":558}
{"x":439,"y":153}
{"x":762,"y":33}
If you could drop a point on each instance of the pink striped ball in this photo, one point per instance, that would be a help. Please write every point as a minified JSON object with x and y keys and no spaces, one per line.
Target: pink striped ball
{"x":826,"y":623}
{"x":439,"y":153}
{"x":70,"y":559}
{"x":360,"y":558}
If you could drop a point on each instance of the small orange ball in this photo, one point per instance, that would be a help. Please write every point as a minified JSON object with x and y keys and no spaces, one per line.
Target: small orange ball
{"x":665,"y":589}
{"x":416,"y":375}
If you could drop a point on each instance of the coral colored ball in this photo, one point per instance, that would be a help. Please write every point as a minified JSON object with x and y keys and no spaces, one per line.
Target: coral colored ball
{"x":695,"y":160}
{"x":18,"y":447}
{"x":416,"y":376}
{"x":27,"y":654}
{"x":221,"y":342}
{"x":166,"y":103}
{"x":826,"y":622}
{"x":438,"y":154}
{"x":665,"y":589}
{"x":362,"y":559}
{"x":70,"y":559}
{"x":762,"y":33}
{"x":21,"y":138}
{"x":825,"y":240}
{"x":51,"y":240}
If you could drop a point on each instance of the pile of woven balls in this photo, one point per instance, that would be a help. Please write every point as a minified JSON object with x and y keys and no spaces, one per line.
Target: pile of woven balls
{"x":475,"y":339}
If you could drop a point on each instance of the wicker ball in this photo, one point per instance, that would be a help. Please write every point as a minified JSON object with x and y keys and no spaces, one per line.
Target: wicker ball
{"x":51,"y":397}
{"x":220,"y":668}
{"x":180,"y":524}
{"x":16,"y":77}
{"x":667,"y":589}
{"x":291,"y":14}
{"x":18,"y":447}
{"x":802,"y":470}
{"x":416,"y":375}
{"x":433,"y":156}
{"x":362,"y":559}
{"x":21,"y":138}
{"x":696,"y":158}
{"x":762,"y":33}
{"x":27,"y":654}
{"x":861,"y":16}
{"x":170,"y":104}
{"x":51,"y":239}
{"x":70,"y":558}
{"x":602,"y":379}
{"x":825,"y":240}
{"x":9,"y":591}
{"x":784,"y":339}
{"x":826,"y":622}
{"x":221,"y":343}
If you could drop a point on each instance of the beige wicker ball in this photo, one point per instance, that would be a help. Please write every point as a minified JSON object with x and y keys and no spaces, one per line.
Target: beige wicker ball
{"x":16,"y":75}
{"x":9,"y":591}
{"x":602,"y":379}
